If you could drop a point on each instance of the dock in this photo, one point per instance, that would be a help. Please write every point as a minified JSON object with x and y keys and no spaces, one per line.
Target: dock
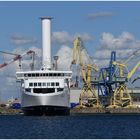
{"x":105,"y":111}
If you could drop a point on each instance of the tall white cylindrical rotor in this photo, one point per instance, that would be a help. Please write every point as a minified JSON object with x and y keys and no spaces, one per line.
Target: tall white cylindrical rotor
{"x":46,"y":42}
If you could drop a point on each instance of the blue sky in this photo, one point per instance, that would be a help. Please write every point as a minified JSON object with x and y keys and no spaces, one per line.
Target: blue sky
{"x":22,"y":18}
{"x":104,"y":26}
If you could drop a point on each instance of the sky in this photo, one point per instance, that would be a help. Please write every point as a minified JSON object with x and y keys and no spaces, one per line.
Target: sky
{"x":103,"y":26}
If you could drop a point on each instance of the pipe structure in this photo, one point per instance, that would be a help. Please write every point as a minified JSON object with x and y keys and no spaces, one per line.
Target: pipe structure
{"x":55,"y":62}
{"x":46,"y":42}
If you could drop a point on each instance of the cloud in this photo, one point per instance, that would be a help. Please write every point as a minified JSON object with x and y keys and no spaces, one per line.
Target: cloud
{"x":101,"y":62}
{"x":125,"y":40}
{"x":59,"y":37}
{"x":125,"y":45}
{"x":64,"y":38}
{"x":84,"y":36}
{"x":17,"y":39}
{"x":106,"y":54}
{"x":65,"y":57}
{"x":102,"y":54}
{"x":100,"y":14}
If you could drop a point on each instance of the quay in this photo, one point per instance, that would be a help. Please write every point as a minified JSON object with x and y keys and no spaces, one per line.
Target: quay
{"x":105,"y":111}
{"x":9,"y":111}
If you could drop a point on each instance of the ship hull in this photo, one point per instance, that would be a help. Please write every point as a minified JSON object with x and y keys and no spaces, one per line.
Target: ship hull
{"x":46,"y":104}
{"x":46,"y":110}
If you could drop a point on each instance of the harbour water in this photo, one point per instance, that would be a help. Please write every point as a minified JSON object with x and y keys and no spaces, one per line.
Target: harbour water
{"x":74,"y":127}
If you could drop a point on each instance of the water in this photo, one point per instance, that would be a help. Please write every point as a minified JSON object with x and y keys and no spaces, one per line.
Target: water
{"x":74,"y":127}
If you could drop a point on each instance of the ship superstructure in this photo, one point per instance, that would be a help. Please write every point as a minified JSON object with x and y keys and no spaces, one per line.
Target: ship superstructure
{"x":45,"y":91}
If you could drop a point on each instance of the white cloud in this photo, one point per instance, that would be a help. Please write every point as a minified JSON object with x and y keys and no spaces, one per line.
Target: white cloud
{"x":61,"y":37}
{"x":106,"y":53}
{"x":65,"y":58}
{"x":102,"y":54}
{"x":17,"y":39}
{"x":64,"y":38}
{"x":100,"y":14}
{"x":84,"y":36}
{"x":102,"y":63}
{"x":124,"y":45}
{"x":125,"y":40}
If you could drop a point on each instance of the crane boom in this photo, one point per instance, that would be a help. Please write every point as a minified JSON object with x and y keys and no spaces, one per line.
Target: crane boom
{"x":130,"y":74}
{"x":17,"y":57}
{"x":77,"y":51}
{"x":132,"y":56}
{"x":8,"y":53}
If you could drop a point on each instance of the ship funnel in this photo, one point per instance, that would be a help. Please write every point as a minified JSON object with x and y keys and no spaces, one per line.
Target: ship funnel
{"x":46,"y":42}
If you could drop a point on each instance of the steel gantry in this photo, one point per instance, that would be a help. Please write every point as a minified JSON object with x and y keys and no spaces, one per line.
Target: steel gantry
{"x":88,"y":96}
{"x":121,"y":96}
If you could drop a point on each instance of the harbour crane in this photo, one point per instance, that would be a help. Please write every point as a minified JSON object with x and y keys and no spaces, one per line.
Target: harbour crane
{"x":112,"y":90}
{"x":19,"y":57}
{"x":88,"y":96}
{"x":105,"y":82}
{"x":77,"y":61}
{"x":77,"y":49}
{"x":121,"y":96}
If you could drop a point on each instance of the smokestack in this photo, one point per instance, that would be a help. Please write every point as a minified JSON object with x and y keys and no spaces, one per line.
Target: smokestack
{"x":46,"y":42}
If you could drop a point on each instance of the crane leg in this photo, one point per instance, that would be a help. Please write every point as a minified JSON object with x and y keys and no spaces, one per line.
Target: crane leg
{"x":89,"y":98}
{"x":121,"y":98}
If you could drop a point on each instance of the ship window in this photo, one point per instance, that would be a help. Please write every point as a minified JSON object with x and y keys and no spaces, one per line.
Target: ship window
{"x":41,"y":74}
{"x":67,"y":74}
{"x":39,"y":84}
{"x":44,"y":74}
{"x":33,"y":75}
{"x":52,"y":84}
{"x":48,"y":84}
{"x":25,"y":75}
{"x":35,"y":84}
{"x":60,"y":89}
{"x":50,"y":74}
{"x":44,"y":84}
{"x":29,"y":75}
{"x":62,"y":74}
{"x":37,"y":74}
{"x":28,"y":89}
{"x":55,"y":74}
{"x":44,"y":90}
{"x":59,"y":74}
{"x":57,"y":84}
{"x":30,"y":84}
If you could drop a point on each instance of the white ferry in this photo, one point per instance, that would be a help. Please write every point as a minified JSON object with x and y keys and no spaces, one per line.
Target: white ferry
{"x":45,"y":91}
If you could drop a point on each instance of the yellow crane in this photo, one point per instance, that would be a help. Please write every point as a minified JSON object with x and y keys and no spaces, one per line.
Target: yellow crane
{"x":77,"y":47}
{"x":88,"y":96}
{"x":121,"y":96}
{"x":77,"y":61}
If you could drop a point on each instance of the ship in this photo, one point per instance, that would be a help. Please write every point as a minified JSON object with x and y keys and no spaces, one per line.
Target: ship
{"x":45,"y":91}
